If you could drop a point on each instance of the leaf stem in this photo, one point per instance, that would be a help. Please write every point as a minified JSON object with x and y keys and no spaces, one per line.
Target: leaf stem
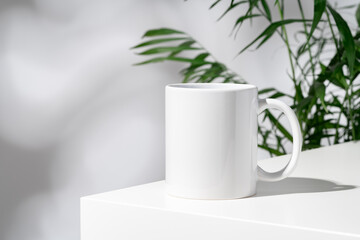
{"x":332,"y":31}
{"x":307,"y":36}
{"x":351,"y":115}
{"x":284,"y":40}
{"x":287,"y":42}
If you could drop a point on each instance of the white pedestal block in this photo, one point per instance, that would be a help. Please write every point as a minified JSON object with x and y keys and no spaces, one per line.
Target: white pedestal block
{"x":321,"y":200}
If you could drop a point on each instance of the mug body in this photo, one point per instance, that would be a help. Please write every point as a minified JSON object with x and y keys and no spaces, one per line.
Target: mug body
{"x":211,"y":140}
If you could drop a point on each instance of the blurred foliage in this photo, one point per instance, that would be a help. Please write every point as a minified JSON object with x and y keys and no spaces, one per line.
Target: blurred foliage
{"x":326,"y":92}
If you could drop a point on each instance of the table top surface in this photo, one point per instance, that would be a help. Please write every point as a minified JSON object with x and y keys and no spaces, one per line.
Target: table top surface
{"x":322,"y":194}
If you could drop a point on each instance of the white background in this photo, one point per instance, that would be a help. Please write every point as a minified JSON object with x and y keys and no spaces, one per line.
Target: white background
{"x":76,"y":118}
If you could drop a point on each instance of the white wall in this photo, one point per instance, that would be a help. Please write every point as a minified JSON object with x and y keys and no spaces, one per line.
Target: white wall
{"x":76,"y":118}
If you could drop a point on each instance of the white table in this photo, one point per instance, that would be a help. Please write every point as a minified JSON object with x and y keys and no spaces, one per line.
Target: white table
{"x":321,"y":200}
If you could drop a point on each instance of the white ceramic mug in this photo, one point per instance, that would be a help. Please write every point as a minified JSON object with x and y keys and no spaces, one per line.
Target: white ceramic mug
{"x":211,"y":140}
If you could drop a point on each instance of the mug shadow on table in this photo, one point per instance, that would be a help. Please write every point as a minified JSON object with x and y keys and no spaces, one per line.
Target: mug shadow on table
{"x":299,"y":185}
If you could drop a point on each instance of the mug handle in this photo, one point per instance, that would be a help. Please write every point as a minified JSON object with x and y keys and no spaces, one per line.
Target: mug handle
{"x":297,"y":140}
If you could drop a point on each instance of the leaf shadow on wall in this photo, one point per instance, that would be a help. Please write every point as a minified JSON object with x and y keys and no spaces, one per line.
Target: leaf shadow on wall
{"x":58,"y":67}
{"x":18,"y":182}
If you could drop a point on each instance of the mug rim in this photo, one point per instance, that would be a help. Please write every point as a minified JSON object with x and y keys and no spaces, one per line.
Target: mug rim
{"x":211,"y":86}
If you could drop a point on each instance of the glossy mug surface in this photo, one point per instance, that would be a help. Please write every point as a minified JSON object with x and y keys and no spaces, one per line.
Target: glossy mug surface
{"x":211,"y":140}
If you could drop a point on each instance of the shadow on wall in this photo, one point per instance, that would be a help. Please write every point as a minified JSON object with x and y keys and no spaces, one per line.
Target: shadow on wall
{"x":54,"y":72}
{"x":73,"y":112}
{"x":298,"y":185}
{"x":19,"y":183}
